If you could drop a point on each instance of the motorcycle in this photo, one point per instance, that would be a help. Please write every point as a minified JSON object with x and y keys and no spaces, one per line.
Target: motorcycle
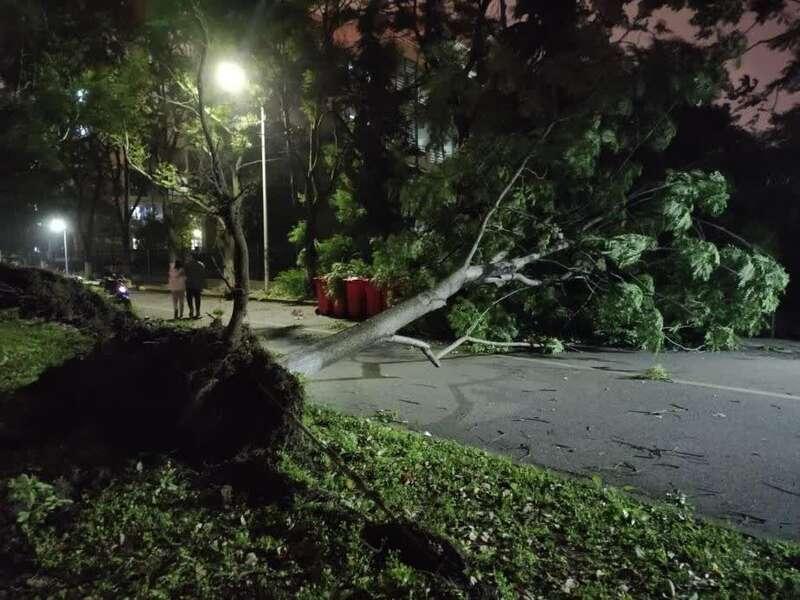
{"x":117,"y":287}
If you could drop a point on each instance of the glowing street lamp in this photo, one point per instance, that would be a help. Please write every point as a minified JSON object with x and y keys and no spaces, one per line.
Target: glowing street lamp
{"x":231,"y":78}
{"x":58,"y":225}
{"x":197,"y":239}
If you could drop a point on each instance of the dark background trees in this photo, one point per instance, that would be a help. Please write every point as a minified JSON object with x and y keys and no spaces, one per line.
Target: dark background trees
{"x":394,"y":127}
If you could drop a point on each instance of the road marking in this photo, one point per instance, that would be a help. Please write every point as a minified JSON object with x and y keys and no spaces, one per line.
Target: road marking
{"x":713,"y":386}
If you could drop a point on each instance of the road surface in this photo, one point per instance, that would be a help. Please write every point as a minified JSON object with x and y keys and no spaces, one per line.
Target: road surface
{"x":725,"y":432}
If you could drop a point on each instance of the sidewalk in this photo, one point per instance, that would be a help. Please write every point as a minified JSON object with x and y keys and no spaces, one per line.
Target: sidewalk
{"x":272,"y":319}
{"x":215,"y":288}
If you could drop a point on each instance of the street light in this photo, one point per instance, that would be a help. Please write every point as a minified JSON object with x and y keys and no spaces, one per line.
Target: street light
{"x":232,"y":79}
{"x":197,"y":239}
{"x":58,"y":225}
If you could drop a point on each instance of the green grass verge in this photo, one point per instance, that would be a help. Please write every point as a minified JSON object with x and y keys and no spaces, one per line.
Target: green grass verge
{"x":152,"y":533}
{"x":27,"y":348}
{"x":155,"y":530}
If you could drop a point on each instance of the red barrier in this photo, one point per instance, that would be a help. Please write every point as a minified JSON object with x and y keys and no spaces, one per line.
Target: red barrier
{"x":324,"y":303}
{"x":355,"y":290}
{"x":374,"y":300}
{"x":339,"y":308}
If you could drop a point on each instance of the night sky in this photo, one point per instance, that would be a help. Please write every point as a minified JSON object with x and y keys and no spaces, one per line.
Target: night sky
{"x":759,"y":63}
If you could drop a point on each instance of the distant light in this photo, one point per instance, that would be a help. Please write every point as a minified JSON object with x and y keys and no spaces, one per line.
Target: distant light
{"x":57,"y":225}
{"x":81,"y":95}
{"x":122,"y":289}
{"x":196,"y":233}
{"x":231,"y":77}
{"x":82,"y":131}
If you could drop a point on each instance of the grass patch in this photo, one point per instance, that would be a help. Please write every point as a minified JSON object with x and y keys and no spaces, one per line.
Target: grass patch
{"x":340,"y":325}
{"x":30,"y":347}
{"x":155,"y":531}
{"x":654,"y":373}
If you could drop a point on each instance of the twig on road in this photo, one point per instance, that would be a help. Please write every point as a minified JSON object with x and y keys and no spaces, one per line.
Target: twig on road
{"x":537,"y":419}
{"x":780,"y":489}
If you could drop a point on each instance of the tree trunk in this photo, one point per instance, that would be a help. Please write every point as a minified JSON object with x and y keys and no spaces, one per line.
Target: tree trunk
{"x":126,"y":246}
{"x":241,"y":271}
{"x":121,"y":186}
{"x":127,"y":213}
{"x":87,"y":209}
{"x":380,"y":327}
{"x":173,"y":244}
{"x":312,"y":259}
{"x":224,"y":244}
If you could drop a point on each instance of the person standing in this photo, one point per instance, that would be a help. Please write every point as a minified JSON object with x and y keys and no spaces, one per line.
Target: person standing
{"x":177,"y":287}
{"x":195,"y":283}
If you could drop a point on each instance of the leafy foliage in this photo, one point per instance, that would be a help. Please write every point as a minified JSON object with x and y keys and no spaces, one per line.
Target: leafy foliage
{"x":494,"y":324}
{"x":628,"y":315}
{"x":33,"y":501}
{"x":627,"y":249}
{"x":655,"y":373}
{"x":290,"y":284}
{"x":335,"y":249}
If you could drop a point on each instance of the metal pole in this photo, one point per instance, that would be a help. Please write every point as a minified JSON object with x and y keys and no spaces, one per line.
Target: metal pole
{"x":264,"y":195}
{"x":66,"y":258}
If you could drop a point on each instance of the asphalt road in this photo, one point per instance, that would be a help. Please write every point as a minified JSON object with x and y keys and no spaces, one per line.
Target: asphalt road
{"x":725,"y":432}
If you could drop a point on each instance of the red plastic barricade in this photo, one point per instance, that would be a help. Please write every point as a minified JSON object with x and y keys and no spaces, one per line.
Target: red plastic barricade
{"x":373,"y":299}
{"x":355,"y":290}
{"x":324,"y":303}
{"x":339,"y":308}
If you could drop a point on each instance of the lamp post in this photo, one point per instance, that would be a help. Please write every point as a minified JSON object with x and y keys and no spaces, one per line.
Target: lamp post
{"x":231,"y":78}
{"x":58,"y":225}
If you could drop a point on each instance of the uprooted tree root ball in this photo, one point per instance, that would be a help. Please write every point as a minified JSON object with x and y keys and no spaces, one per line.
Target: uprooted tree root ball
{"x":162,"y":390}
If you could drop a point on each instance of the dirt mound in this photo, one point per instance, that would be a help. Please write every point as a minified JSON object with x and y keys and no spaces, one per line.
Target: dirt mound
{"x":45,"y":295}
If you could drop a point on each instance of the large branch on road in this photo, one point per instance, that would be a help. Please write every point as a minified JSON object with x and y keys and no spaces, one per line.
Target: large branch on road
{"x":385,"y":325}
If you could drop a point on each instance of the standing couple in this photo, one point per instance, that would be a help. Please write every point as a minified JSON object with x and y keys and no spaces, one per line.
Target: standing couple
{"x":187,"y":280}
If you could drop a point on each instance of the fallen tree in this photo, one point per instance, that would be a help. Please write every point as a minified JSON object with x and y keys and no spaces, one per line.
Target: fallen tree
{"x":384,"y":326}
{"x":664,"y":268}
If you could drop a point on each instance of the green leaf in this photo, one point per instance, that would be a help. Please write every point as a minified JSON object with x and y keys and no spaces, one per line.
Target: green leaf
{"x":627,"y":249}
{"x":746,"y":273}
{"x":701,"y":257}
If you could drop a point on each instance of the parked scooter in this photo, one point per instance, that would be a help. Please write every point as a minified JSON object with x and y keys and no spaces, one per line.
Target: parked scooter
{"x":118,"y":287}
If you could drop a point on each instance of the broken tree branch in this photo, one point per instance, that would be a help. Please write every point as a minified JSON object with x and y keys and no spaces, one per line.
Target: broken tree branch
{"x":415,"y":343}
{"x":488,"y":217}
{"x":467,"y":338}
